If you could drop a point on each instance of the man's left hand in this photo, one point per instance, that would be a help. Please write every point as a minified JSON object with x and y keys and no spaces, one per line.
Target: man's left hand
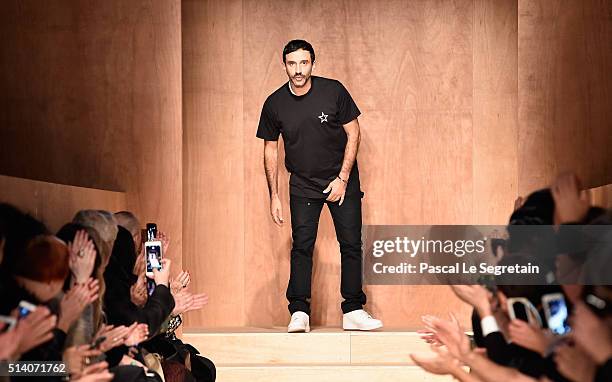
{"x":336,"y":189}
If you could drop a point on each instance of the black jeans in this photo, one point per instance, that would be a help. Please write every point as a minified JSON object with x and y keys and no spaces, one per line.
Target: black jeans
{"x":305,"y":213}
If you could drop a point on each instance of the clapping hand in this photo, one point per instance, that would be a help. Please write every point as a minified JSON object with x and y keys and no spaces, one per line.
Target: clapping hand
{"x":181,"y":281}
{"x":74,"y":302}
{"x":571,"y":205}
{"x":82,"y":256}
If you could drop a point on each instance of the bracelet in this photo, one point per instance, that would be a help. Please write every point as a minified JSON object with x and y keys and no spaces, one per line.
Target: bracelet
{"x":344,"y":181}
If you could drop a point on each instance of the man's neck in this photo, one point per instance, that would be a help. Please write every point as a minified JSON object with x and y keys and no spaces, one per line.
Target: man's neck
{"x":300,"y":91}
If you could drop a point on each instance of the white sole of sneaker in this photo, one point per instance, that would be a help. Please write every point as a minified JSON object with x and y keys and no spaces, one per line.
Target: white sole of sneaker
{"x":299,"y":330}
{"x":355,"y":327}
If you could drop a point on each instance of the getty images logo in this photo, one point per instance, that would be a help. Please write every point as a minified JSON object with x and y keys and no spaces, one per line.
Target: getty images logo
{"x":411,"y":247}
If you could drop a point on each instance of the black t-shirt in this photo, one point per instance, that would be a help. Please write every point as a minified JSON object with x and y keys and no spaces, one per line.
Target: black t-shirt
{"x":313,"y":134}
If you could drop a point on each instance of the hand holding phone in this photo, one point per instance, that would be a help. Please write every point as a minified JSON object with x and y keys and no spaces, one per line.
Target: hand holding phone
{"x":25,"y":308}
{"x":528,"y":336}
{"x":9,"y":323}
{"x":35,"y":328}
{"x":162,"y":276}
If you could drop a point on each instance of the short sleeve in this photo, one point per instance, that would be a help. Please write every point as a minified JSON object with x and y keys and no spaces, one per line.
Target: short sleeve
{"x":269,"y":127}
{"x":347,"y":109}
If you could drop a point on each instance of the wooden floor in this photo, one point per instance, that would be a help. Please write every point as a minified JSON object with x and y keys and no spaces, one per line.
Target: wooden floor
{"x":324,"y":354}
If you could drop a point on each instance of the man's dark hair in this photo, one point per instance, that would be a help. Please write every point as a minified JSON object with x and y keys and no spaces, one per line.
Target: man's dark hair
{"x":294,"y":45}
{"x":538,"y":209}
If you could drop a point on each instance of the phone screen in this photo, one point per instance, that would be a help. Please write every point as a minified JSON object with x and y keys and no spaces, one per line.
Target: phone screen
{"x":557,"y":321}
{"x":520,"y":313}
{"x":153,"y":257}
{"x":151,"y":231}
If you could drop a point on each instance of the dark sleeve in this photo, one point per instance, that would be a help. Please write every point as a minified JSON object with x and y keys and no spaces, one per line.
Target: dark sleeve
{"x":604,"y":372}
{"x":158,"y":308}
{"x":114,"y":356}
{"x":51,"y":350}
{"x":498,"y":349}
{"x":121,"y":311}
{"x":524,"y":360}
{"x":477,"y":330}
{"x":347,"y":109}
{"x":269,"y":127}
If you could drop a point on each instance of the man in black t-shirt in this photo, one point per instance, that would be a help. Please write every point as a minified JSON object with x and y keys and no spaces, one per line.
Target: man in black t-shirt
{"x":318,"y":120}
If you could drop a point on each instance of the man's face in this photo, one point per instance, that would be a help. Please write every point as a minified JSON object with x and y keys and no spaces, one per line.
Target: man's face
{"x":299,"y":67}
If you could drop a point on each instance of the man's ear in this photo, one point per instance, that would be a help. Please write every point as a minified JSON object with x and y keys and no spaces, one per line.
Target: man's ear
{"x":314,"y":65}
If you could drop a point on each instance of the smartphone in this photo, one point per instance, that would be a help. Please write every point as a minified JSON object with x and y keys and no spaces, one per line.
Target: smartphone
{"x":153,"y":256}
{"x":25,"y":308}
{"x":556,"y":313}
{"x":520,"y":308}
{"x":151,"y":231}
{"x":520,"y":311}
{"x":10,"y":323}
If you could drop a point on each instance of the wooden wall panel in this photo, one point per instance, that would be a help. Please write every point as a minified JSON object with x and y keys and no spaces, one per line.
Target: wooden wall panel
{"x":56,"y":204}
{"x":154,"y":176}
{"x":91,"y":96}
{"x":495,"y":144}
{"x":565,"y":87}
{"x":65,"y":76}
{"x":213,"y":159}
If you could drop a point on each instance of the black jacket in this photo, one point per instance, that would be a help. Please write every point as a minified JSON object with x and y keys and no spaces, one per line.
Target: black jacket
{"x":511,"y":355}
{"x":120,"y":310}
{"x":118,"y":278}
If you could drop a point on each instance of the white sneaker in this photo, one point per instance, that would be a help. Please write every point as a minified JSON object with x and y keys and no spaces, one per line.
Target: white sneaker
{"x":300,"y":323}
{"x":360,"y":320}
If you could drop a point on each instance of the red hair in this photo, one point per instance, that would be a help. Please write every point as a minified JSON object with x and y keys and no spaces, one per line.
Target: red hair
{"x":45,"y":259}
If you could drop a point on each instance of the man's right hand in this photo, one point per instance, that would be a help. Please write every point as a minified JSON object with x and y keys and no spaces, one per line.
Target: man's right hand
{"x":276,"y":210}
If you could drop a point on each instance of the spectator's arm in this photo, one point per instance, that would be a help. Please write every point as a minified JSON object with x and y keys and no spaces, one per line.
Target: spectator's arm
{"x":157,"y":309}
{"x":498,"y":350}
{"x":122,"y":311}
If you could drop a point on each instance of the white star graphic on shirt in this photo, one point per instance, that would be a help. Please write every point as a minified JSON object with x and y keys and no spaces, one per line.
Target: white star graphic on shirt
{"x":323,"y":117}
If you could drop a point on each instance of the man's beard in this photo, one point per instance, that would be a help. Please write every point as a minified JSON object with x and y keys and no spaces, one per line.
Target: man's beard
{"x":303,"y":77}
